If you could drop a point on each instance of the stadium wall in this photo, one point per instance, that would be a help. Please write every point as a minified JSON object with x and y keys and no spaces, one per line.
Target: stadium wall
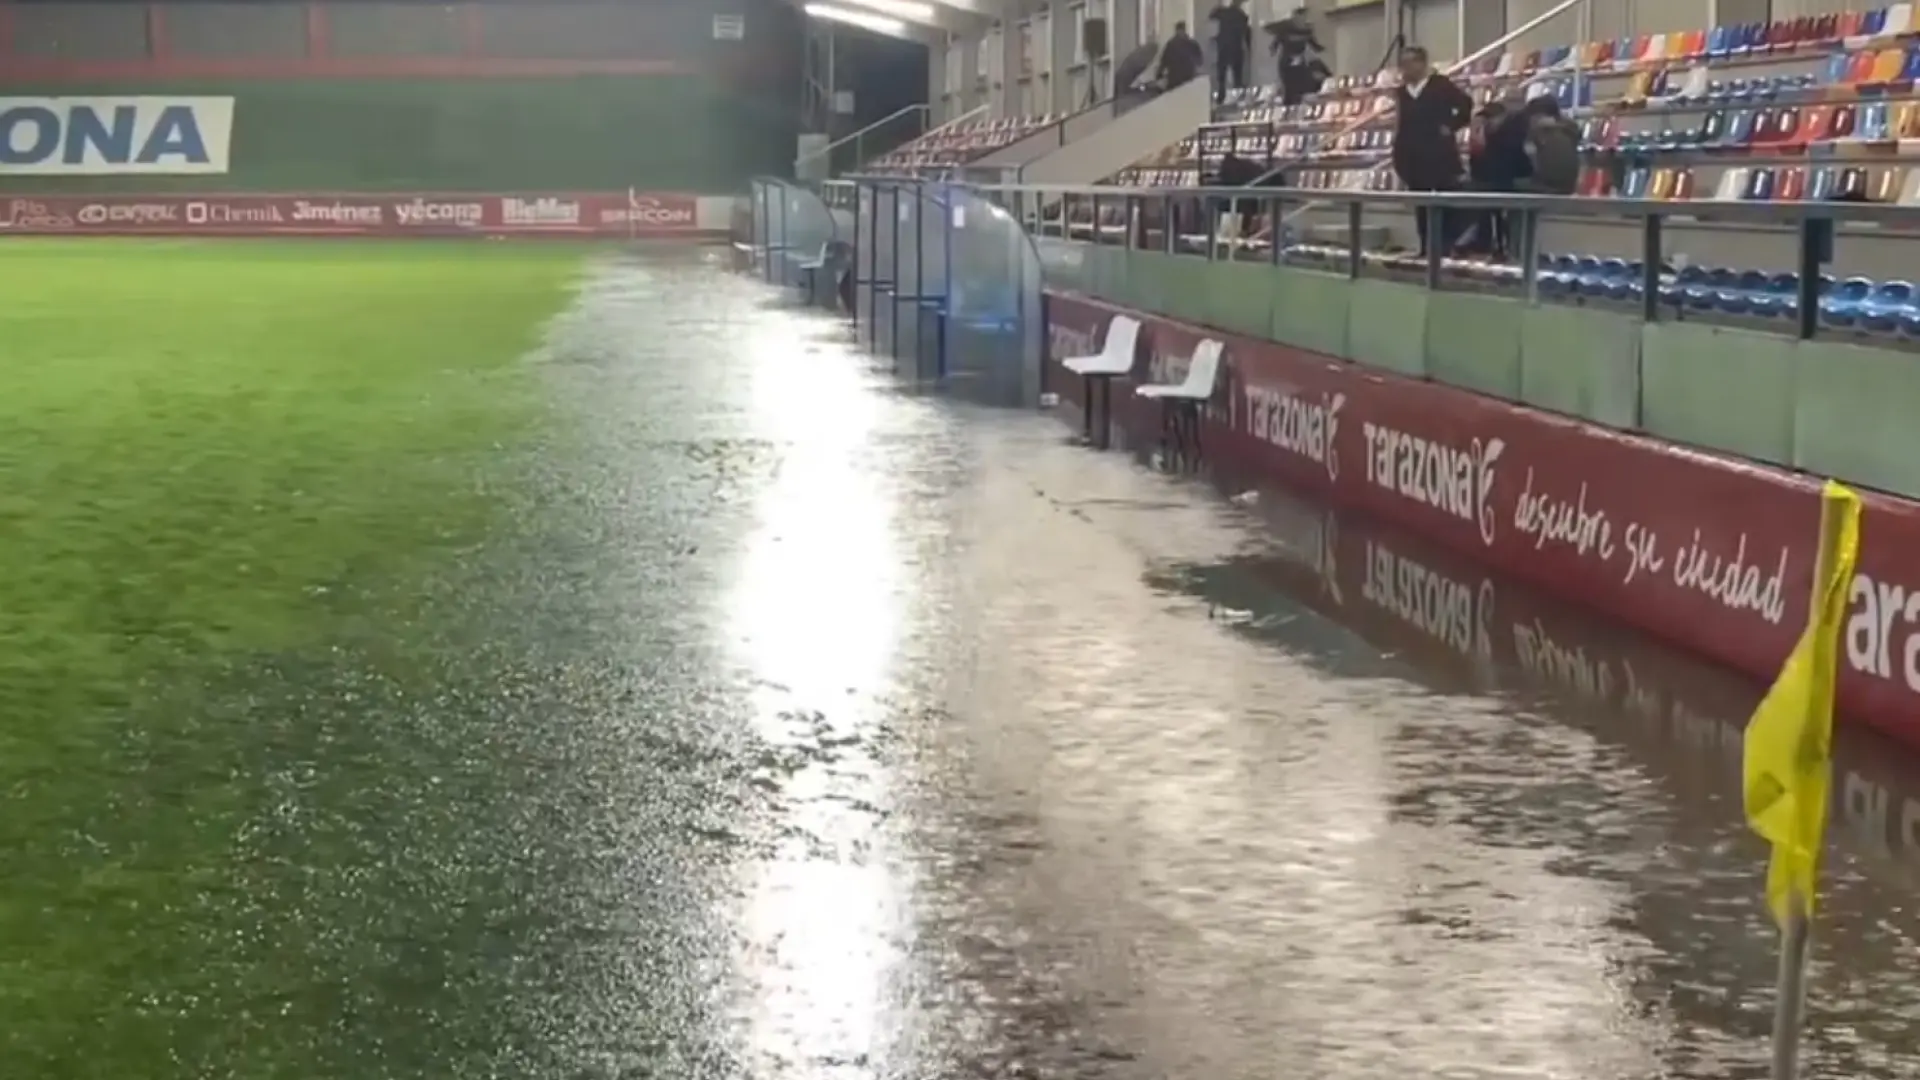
{"x":575,"y":95}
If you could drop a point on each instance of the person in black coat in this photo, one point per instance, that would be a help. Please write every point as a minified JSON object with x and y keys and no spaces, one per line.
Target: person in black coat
{"x":1180,"y":58}
{"x":1301,"y":74}
{"x":1430,"y":113}
{"x":1232,"y":41}
{"x":1489,"y":169}
{"x":1236,"y":171}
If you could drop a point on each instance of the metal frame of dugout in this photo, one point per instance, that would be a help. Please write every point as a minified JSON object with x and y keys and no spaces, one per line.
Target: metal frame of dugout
{"x":946,"y":283}
{"x":795,"y":239}
{"x":1188,"y":221}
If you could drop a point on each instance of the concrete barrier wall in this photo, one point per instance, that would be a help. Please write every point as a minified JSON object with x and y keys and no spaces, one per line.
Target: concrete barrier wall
{"x":1710,"y":552}
{"x":1830,"y":407}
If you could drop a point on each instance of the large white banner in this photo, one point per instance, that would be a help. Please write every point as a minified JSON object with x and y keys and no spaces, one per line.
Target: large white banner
{"x":108,"y":136}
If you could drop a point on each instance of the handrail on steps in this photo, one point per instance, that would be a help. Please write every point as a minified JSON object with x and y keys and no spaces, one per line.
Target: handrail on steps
{"x":1474,"y":57}
{"x":896,"y":114}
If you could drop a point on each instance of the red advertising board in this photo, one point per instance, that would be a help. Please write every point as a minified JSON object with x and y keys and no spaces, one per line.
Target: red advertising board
{"x":1711,"y":553}
{"x":609,"y":215}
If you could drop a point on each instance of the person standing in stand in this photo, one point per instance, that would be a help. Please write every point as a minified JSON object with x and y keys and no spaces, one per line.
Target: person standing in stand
{"x":1300,"y":74}
{"x":1180,"y":58}
{"x":1489,"y":170}
{"x":1232,"y":40}
{"x":1431,"y":111}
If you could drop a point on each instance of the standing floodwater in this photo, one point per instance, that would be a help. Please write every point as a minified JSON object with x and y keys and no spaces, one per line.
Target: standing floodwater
{"x":796,"y":725}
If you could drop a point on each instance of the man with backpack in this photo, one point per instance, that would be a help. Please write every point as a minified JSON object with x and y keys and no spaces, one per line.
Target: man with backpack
{"x":1532,"y":149}
{"x":1552,"y":148}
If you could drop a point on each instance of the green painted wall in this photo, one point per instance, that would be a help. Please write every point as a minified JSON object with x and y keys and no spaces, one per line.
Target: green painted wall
{"x":1835,"y":406}
{"x":654,"y":132}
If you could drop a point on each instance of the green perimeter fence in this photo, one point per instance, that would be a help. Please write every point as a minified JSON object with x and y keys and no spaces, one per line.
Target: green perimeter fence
{"x":1784,"y":391}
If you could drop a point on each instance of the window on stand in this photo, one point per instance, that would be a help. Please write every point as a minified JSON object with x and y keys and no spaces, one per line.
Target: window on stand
{"x":1102,"y":10}
{"x":1042,"y":61}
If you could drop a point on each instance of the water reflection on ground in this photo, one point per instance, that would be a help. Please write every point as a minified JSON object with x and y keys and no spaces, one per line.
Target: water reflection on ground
{"x":921,"y":743}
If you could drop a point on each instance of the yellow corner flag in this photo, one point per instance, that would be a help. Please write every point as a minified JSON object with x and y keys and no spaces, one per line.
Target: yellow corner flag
{"x":1789,"y":746}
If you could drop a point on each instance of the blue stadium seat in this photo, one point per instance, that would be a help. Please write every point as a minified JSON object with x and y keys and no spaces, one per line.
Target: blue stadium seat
{"x":1611,"y":279}
{"x":1553,"y":275}
{"x":1881,"y":312}
{"x":1712,"y":283}
{"x":1778,"y":296}
{"x":1587,"y":279}
{"x":1841,"y":306}
{"x":1737,"y":298}
{"x":1674,"y":289}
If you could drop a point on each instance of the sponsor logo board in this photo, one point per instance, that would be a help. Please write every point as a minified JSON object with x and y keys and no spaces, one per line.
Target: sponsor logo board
{"x":544,"y":211}
{"x":1569,"y":508}
{"x":115,"y":136}
{"x":653,"y":212}
{"x":612,"y":215}
{"x":424,"y":212}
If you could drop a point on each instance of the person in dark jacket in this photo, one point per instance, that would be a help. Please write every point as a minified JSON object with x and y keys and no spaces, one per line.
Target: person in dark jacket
{"x":1236,"y":171}
{"x":1551,"y":148}
{"x":1232,"y":41}
{"x":1293,"y":45}
{"x":1180,"y":58}
{"x":1430,"y":113}
{"x":1484,"y":232}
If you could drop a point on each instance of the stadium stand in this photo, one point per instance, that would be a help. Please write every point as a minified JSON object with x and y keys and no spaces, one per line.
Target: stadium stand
{"x":956,"y":145}
{"x":1819,"y":108}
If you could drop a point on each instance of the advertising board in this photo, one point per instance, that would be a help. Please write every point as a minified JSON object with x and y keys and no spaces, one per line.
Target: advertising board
{"x":608,"y":215}
{"x":1711,"y":553}
{"x":115,"y":136}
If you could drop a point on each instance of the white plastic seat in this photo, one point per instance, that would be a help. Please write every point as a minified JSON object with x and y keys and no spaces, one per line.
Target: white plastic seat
{"x":1696,"y":85}
{"x":1201,"y":376}
{"x":1181,"y":402}
{"x":1899,"y":21}
{"x":1114,"y":360}
{"x":1910,"y":191}
{"x":1115,"y":357}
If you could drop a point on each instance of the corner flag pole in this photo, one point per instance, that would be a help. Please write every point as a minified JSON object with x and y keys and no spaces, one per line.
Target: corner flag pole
{"x":1790,"y":992}
{"x":1787,"y":766}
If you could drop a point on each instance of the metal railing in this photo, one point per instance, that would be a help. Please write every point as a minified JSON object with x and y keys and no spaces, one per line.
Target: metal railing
{"x":857,"y":139}
{"x":1188,"y":221}
{"x":1579,"y":74}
